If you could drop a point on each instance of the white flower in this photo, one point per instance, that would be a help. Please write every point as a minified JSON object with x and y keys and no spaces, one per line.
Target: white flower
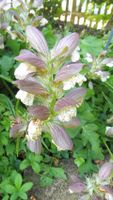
{"x":67,"y":115}
{"x":23,"y":70}
{"x":89,"y":57}
{"x":34,"y":130}
{"x":109,"y":131}
{"x":75,"y":55}
{"x":38,"y":4}
{"x":32,"y":12}
{"x":7,"y":4}
{"x":108,"y":196}
{"x":67,"y":85}
{"x":108,"y":128}
{"x":80,"y":78}
{"x":110,"y":64}
{"x":43,"y":22}
{"x":25,"y":97}
{"x":103,"y":75}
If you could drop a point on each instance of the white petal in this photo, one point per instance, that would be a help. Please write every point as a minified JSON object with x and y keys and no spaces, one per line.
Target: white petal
{"x":43,"y":22}
{"x":75,"y":55}
{"x":34,"y":130}
{"x":108,"y":196}
{"x":110,"y":64}
{"x":23,"y":70}
{"x":67,"y":115}
{"x":25,"y":97}
{"x":103,"y":75}
{"x":89,"y":57}
{"x":80,"y":78}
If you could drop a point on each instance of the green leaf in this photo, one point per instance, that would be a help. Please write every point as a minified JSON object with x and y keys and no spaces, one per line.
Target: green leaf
{"x":18,"y":181}
{"x":36,"y":167}
{"x":91,"y":44}
{"x":24,"y":164}
{"x":57,"y":172}
{"x":89,"y":135}
{"x":108,"y":100}
{"x":6,"y":197}
{"x":23,"y":195}
{"x":4,"y":139}
{"x":6,"y":64}
{"x":9,"y":188}
{"x":79,"y":161}
{"x":5,"y":101}
{"x":14,"y":45}
{"x":87,"y":167}
{"x":45,"y":181}
{"x":14,"y":196}
{"x":27,"y":186}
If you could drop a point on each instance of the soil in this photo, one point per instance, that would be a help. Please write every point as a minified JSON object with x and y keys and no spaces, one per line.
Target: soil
{"x":57,"y":191}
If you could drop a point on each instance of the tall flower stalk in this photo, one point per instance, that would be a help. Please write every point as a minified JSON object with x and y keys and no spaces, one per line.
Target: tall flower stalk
{"x":40,"y":78}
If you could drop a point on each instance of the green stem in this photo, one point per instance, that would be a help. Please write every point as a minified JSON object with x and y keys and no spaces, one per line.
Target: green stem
{"x":17,"y":146}
{"x":5,"y":78}
{"x":45,"y":145}
{"x":111,"y":154}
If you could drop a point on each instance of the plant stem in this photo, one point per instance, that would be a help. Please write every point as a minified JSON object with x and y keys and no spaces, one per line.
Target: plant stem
{"x":111,"y":154}
{"x":17,"y":146}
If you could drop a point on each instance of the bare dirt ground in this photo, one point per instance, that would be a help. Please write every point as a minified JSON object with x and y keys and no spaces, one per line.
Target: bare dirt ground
{"x":58,"y":190}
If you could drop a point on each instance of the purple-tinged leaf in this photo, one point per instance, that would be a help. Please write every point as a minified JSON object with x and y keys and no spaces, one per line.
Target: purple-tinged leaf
{"x":35,"y":146}
{"x":31,"y":58}
{"x":107,"y":61}
{"x":37,"y":40}
{"x":65,"y":46}
{"x":4,"y":25}
{"x":73,"y":123}
{"x":31,"y":86}
{"x":76,"y":187}
{"x":96,"y":198}
{"x":17,"y":130}
{"x":67,"y":71}
{"x":40,"y":112}
{"x":36,"y":20}
{"x":73,"y":98}
{"x":60,"y":137}
{"x":105,"y":171}
{"x":37,"y":3}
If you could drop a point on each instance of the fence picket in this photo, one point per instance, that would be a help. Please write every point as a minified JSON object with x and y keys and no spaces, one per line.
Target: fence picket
{"x":88,"y":12}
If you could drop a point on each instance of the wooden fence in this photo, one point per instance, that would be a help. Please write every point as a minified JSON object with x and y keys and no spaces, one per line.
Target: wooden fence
{"x":87,"y":12}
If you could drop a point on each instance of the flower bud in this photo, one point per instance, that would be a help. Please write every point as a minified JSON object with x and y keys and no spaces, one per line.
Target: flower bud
{"x":105,"y":170}
{"x":76,"y":187}
{"x":109,"y":131}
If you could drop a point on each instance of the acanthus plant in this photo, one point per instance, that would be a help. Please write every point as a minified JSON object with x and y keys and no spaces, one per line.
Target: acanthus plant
{"x":17,"y":14}
{"x":96,"y":187}
{"x":96,"y":67}
{"x":40,"y":79}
